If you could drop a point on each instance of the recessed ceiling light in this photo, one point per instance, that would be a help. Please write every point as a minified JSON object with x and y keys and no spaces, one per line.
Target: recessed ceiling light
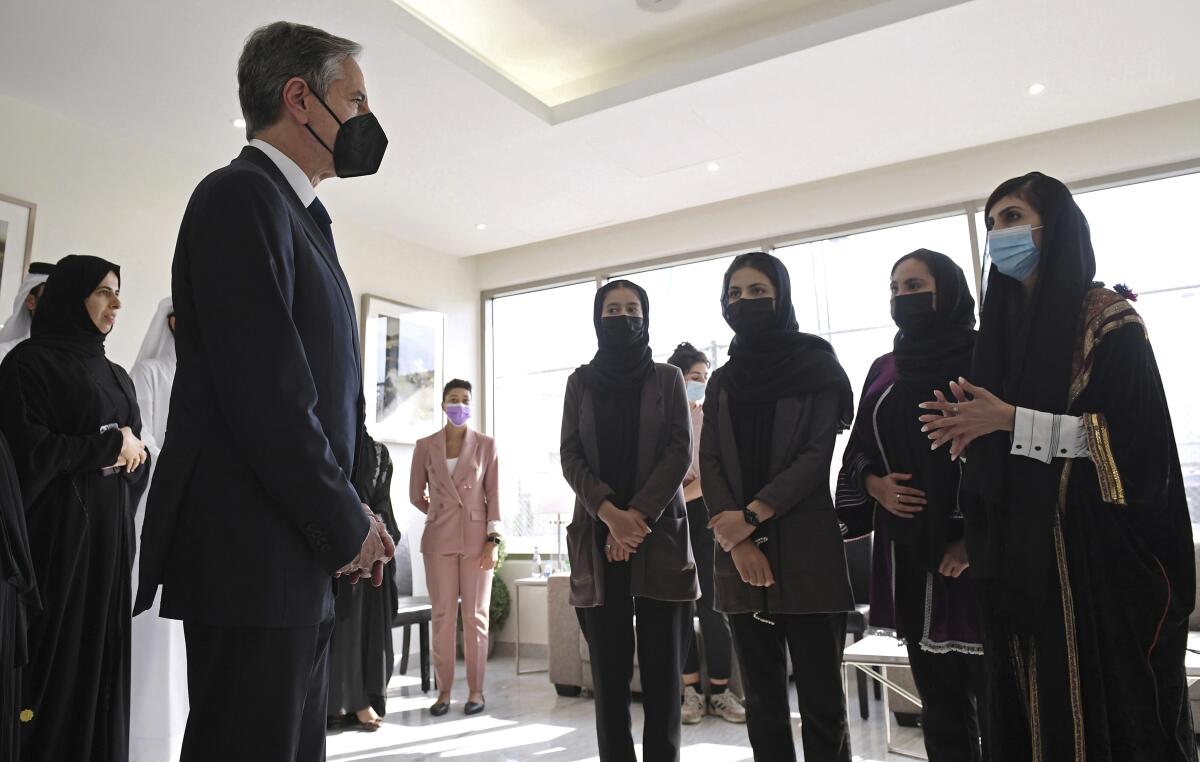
{"x":1037,"y":88}
{"x":713,"y":167}
{"x":481,"y":226}
{"x":657,"y":6}
{"x":239,"y":123}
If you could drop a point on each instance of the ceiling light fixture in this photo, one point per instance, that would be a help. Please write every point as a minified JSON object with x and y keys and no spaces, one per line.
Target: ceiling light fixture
{"x":657,"y":6}
{"x":239,"y":123}
{"x":481,"y":226}
{"x":713,"y":167}
{"x":1037,"y":88}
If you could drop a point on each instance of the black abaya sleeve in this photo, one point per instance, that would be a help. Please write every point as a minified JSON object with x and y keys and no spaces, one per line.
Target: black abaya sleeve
{"x":40,"y":454}
{"x":1132,"y":448}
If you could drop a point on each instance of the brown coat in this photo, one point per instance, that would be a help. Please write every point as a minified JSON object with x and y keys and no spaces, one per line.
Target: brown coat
{"x":804,"y":543}
{"x":663,"y":567}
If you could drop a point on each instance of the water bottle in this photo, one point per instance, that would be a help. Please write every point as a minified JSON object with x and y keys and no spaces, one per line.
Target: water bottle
{"x":537,"y":563}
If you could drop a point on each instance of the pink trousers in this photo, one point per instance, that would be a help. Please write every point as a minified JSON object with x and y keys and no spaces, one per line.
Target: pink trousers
{"x":450,"y":578}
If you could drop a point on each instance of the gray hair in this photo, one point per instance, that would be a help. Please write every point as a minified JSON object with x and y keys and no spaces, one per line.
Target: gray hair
{"x":277,"y":52}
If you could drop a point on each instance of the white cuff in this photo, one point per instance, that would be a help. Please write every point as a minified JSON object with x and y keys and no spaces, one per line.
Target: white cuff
{"x":495,"y":528}
{"x":1045,"y":436}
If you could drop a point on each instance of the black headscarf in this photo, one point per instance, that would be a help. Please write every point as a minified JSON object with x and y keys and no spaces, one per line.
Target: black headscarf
{"x":926,"y":359}
{"x":1024,"y":355}
{"x":780,"y":361}
{"x":616,"y":366}
{"x":941,"y":351}
{"x":616,"y":376}
{"x":61,"y":319}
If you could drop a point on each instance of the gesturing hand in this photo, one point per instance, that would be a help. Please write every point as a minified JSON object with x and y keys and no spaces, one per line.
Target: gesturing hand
{"x":966,"y":418}
{"x":896,"y":498}
{"x":629,"y":528}
{"x":752,"y":565}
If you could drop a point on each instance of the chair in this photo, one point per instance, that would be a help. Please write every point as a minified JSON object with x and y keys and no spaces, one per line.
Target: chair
{"x":415,"y":610}
{"x":858,"y":563}
{"x":412,"y":611}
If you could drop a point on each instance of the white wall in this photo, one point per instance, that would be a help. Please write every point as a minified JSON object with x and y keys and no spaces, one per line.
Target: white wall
{"x":99,"y":193}
{"x":1122,"y":144}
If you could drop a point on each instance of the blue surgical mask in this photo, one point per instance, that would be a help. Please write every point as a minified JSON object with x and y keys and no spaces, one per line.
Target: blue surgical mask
{"x":1013,"y":251}
{"x":695,"y":391}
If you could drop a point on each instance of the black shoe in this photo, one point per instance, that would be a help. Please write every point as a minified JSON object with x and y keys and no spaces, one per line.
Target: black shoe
{"x":439,"y":709}
{"x":475,"y":708}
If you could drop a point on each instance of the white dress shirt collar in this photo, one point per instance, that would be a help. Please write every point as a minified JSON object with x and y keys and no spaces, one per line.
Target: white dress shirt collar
{"x":295,"y":176}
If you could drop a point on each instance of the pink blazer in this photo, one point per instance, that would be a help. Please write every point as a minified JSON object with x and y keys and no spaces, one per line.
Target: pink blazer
{"x":457,"y":506}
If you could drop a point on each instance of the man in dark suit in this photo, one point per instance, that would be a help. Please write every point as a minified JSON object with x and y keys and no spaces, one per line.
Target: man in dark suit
{"x":252,"y":511}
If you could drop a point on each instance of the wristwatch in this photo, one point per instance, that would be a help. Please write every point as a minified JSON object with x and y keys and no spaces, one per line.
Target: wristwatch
{"x":751,"y":517}
{"x":493,"y":538}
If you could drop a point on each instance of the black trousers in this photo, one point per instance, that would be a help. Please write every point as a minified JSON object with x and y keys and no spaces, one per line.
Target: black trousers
{"x":952,"y":687}
{"x":257,"y":694}
{"x":815,"y":642}
{"x":714,"y":627}
{"x":661,"y":630}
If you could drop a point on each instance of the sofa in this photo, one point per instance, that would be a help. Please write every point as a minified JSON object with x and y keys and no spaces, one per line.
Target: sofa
{"x":570,"y":661}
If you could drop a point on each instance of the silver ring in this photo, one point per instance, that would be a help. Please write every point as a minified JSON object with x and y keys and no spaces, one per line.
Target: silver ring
{"x":954,"y":409}
{"x":897,"y":497}
{"x":608,"y":547}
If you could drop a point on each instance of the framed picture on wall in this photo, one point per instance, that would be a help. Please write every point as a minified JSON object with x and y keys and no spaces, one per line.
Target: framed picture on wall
{"x":16,"y":245}
{"x":402,"y":348}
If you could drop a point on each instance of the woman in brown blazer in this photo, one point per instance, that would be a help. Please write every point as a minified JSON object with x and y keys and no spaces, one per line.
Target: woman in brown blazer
{"x":454,"y":481}
{"x":626,"y":446}
{"x":771,"y":415}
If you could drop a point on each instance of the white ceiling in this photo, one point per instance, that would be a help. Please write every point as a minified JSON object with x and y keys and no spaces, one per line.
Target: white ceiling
{"x":461,"y":153}
{"x":563,"y":60}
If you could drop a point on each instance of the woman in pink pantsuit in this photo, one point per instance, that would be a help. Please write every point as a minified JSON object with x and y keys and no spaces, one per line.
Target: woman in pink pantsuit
{"x":454,"y":482}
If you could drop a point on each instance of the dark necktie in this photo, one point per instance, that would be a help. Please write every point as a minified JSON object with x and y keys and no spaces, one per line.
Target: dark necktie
{"x":321,"y":216}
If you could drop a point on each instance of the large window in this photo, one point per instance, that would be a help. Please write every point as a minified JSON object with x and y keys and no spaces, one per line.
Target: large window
{"x":538,"y":339}
{"x":1142,"y":235}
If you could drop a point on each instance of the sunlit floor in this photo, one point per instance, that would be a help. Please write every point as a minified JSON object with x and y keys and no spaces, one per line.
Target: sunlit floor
{"x":527,"y":720}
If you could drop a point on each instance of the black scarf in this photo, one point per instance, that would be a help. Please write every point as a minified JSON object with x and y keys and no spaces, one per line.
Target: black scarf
{"x":616,"y":376}
{"x":926,"y":359}
{"x":619,"y":366}
{"x":780,"y":361}
{"x":941,"y":351}
{"x":1024,"y":355}
{"x":61,"y":320}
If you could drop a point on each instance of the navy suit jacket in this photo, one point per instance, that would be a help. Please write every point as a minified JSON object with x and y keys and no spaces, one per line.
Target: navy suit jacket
{"x":251,"y":508}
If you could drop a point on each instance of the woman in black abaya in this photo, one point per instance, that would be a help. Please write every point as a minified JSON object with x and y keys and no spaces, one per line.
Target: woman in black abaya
{"x":1077,"y":525}
{"x":71,"y":419}
{"x":360,"y":651}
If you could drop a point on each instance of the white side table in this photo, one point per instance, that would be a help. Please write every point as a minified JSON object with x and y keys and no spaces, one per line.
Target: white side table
{"x":520,"y":583}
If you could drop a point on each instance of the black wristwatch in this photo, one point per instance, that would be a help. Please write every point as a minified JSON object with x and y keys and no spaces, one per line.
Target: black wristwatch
{"x":493,"y":538}
{"x":751,"y":517}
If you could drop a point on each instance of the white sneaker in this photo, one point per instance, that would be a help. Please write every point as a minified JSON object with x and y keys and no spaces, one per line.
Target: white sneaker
{"x":727,"y":706}
{"x":693,"y":706}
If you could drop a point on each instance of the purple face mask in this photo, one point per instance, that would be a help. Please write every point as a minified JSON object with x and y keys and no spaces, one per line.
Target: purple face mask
{"x":458,"y":414}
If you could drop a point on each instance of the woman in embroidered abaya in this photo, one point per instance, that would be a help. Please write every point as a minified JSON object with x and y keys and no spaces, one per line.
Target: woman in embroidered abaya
{"x":1076,"y":521}
{"x":920,"y":586}
{"x":71,"y":418}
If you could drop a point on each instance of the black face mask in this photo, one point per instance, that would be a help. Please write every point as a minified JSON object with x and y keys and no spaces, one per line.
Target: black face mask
{"x":748,"y":317}
{"x":914,"y":313}
{"x":359,"y":145}
{"x":620,"y":331}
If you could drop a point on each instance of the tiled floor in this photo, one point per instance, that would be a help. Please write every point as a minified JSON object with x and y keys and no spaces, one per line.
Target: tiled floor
{"x":527,"y":720}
